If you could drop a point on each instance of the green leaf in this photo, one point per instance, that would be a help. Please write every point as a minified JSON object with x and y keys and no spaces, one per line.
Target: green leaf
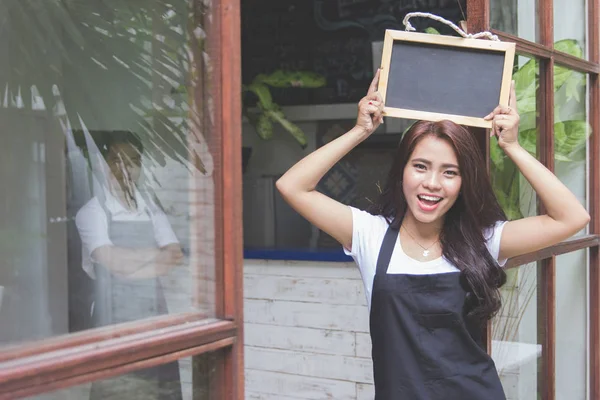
{"x":562,"y":74}
{"x":569,"y":138}
{"x":526,"y":86}
{"x":496,"y":154}
{"x":293,"y":129}
{"x":264,"y":95}
{"x":264,"y":127}
{"x":432,"y":31}
{"x":528,"y":121}
{"x":569,"y":46}
{"x":528,"y":140}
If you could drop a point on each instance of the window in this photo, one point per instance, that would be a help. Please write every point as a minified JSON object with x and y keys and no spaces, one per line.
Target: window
{"x":119,"y":232}
{"x":561,"y":39}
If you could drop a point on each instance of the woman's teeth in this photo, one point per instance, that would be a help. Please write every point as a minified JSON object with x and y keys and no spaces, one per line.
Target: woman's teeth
{"x":432,"y":199}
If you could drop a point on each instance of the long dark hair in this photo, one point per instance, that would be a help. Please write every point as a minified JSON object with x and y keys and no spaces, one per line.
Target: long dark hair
{"x":462,"y":235}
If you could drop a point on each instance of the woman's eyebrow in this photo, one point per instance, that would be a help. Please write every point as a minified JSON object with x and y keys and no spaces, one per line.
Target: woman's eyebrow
{"x":427,"y":162}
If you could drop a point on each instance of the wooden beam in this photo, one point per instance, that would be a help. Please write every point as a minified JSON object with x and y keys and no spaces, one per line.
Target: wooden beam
{"x":116,"y":371}
{"x":545,"y":148}
{"x":232,"y":191}
{"x":65,"y":364}
{"x":594,"y":196}
{"x":96,"y":336}
{"x":570,"y":245}
{"x":478,"y":16}
{"x":531,"y":49}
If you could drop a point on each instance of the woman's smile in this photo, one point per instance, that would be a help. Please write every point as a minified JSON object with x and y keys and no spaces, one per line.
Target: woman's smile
{"x":428,"y":202}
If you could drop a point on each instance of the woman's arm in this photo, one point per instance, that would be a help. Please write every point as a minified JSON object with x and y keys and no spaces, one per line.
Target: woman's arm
{"x":138,"y":263}
{"x":564,"y":214}
{"x":297,"y":185}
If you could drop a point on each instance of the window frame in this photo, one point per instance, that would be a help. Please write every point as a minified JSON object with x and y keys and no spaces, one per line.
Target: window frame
{"x":64,"y":361}
{"x":478,"y":12}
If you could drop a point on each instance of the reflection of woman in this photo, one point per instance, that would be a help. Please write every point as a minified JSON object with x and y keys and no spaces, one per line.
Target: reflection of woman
{"x":430,"y":249}
{"x":128,"y":243}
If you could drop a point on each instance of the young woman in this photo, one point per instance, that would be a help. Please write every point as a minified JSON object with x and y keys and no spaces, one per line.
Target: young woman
{"x":431,"y":249}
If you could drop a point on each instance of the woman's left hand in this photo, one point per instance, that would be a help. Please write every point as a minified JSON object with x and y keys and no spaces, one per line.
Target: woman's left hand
{"x":505,"y":121}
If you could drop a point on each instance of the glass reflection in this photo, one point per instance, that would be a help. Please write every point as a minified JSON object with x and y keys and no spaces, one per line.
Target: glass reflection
{"x":571,"y":131}
{"x":127,"y":240}
{"x":570,"y":26}
{"x":572,"y":325}
{"x":516,"y":334}
{"x":513,"y":191}
{"x":107,"y":163}
{"x":516,"y":17}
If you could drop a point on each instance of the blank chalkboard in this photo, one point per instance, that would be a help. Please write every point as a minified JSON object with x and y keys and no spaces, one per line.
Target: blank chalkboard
{"x":435,"y":77}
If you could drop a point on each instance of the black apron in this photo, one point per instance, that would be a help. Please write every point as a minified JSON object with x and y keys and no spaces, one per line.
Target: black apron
{"x":422,"y":346}
{"x":120,"y":300}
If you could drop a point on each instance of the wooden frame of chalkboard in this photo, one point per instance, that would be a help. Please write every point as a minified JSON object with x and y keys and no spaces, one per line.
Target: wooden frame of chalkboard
{"x":476,"y":76}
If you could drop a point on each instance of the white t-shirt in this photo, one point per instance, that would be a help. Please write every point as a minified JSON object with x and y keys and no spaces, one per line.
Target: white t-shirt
{"x":92,"y":224}
{"x":367,"y":236}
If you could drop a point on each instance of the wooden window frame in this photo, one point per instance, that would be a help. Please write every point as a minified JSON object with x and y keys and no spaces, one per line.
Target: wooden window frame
{"x":64,"y":361}
{"x":478,"y":12}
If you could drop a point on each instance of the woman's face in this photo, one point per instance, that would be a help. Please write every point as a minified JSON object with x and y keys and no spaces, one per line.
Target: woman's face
{"x":125,"y":162}
{"x":431,"y":179}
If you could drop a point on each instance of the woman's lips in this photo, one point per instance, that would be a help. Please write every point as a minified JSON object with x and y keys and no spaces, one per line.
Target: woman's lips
{"x":427,"y":206}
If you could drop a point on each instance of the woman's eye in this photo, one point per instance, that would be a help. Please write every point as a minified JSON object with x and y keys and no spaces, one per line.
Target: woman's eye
{"x":420,"y":166}
{"x":452,"y":173}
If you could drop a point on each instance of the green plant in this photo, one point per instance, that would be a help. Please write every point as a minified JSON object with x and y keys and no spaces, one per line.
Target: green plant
{"x":571,"y":129}
{"x":263,"y":112}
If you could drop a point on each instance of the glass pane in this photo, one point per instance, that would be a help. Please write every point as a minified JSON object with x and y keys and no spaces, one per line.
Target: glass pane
{"x":570,"y":27}
{"x":571,"y":130}
{"x":108,"y":207}
{"x":572,"y":325}
{"x":517,"y":333}
{"x":191,"y":378}
{"x":515,"y":194}
{"x":517,"y":17}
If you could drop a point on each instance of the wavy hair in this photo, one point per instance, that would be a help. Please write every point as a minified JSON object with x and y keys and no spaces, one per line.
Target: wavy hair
{"x":462,"y":235}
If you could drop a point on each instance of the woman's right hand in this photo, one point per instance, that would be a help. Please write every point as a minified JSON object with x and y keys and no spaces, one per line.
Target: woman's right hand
{"x":370,"y":108}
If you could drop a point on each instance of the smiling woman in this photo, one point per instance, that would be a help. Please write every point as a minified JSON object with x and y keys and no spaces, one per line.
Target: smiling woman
{"x":431,"y":248}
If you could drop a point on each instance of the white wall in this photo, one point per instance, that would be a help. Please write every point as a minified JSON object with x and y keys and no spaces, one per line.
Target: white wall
{"x":306,"y":331}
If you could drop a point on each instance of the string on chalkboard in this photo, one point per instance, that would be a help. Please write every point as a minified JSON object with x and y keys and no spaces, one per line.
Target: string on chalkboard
{"x":462,"y":33}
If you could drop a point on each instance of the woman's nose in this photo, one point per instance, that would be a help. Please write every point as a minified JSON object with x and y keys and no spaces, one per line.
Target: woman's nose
{"x":432,"y":182}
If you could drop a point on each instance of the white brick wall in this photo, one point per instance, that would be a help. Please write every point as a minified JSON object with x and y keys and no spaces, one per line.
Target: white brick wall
{"x":306,"y":331}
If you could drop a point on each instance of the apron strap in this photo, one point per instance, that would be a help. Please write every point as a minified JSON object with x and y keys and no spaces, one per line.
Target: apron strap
{"x":386,"y":250}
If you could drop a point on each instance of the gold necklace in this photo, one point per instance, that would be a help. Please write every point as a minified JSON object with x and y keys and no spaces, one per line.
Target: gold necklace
{"x":425,"y":249}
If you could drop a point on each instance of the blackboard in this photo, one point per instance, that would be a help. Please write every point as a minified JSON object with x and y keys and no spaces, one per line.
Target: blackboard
{"x":435,"y":77}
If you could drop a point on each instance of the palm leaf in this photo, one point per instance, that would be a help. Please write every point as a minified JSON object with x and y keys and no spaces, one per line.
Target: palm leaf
{"x":109,"y":63}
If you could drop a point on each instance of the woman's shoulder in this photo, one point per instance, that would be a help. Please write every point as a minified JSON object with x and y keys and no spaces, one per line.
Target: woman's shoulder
{"x":492,"y":236}
{"x":369,"y":223}
{"x":92,"y":206}
{"x":493,"y":230}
